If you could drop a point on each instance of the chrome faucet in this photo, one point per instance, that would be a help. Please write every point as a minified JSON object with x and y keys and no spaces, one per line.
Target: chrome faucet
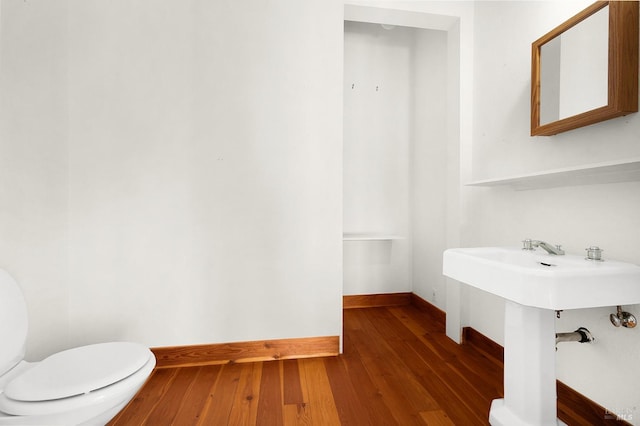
{"x":530,"y":244}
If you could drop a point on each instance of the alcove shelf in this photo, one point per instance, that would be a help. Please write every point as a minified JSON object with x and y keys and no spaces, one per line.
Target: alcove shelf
{"x":368,"y":236}
{"x":627,"y":170}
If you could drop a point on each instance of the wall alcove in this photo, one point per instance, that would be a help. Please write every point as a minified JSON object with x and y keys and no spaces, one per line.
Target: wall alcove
{"x":397,"y":137}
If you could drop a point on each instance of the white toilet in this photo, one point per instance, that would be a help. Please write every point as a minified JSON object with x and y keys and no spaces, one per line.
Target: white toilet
{"x":88,"y":385}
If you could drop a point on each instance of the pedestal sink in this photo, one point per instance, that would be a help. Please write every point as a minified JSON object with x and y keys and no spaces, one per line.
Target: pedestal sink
{"x":536,"y":284}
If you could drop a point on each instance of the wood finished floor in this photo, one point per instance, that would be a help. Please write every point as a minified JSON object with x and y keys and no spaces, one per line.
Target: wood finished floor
{"x":398,"y":368}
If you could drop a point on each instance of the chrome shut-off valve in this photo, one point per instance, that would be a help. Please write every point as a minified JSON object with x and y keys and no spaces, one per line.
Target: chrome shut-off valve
{"x":622,"y":318}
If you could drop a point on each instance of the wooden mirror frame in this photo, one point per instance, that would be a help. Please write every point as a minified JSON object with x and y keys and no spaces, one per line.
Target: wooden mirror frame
{"x":623,"y":68}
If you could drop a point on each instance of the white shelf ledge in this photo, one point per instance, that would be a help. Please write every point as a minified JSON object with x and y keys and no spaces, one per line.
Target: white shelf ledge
{"x":359,"y":236}
{"x":588,"y":174}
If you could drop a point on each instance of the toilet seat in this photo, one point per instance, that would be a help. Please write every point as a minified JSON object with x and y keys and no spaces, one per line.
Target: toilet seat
{"x":82,"y":386}
{"x":77,"y":376}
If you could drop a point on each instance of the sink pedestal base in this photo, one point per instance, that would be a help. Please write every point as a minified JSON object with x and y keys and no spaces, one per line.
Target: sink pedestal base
{"x":529,"y":369}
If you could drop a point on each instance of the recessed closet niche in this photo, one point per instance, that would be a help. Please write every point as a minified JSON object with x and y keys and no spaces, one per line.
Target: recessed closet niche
{"x":394,"y":158}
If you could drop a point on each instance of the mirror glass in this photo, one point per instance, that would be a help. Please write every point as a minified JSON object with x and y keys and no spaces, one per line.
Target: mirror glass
{"x":574,"y":68}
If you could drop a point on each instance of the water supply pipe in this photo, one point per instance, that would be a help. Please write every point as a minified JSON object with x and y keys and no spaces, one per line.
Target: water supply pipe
{"x":581,"y":335}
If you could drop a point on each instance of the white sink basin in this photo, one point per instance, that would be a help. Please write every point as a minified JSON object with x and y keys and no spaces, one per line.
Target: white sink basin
{"x":538,"y":279}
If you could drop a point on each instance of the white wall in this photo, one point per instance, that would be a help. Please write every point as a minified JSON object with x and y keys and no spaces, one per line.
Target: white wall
{"x":195,"y":176}
{"x":33,"y":164}
{"x":430,"y":163}
{"x":575,"y":216}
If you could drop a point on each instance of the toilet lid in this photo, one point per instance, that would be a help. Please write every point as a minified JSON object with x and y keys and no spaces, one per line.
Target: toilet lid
{"x":78,"y":371}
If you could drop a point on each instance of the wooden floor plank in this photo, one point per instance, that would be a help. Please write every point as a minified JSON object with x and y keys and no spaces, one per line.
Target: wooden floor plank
{"x":170,"y":402}
{"x":419,"y":324}
{"x":369,"y":394}
{"x":321,"y":400}
{"x":270,"y":403}
{"x":221,"y":397}
{"x":299,"y":413}
{"x":347,"y":395}
{"x":196,"y":396}
{"x":436,"y":418}
{"x":144,"y":403}
{"x":292,"y":389}
{"x":245,"y":405}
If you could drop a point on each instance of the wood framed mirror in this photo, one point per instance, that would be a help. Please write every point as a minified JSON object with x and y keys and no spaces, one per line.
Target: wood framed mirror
{"x":586,"y":70}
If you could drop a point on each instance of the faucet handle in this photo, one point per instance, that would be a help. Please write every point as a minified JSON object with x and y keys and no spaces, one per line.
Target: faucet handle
{"x":594,"y":253}
{"x":527,"y":244}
